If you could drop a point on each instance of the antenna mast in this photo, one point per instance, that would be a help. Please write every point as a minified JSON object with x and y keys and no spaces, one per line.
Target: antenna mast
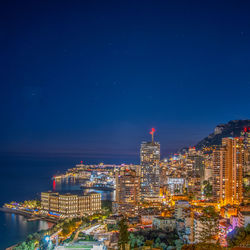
{"x":152,"y":133}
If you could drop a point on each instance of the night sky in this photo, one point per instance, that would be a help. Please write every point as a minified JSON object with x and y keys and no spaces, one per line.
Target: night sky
{"x":92,"y":78}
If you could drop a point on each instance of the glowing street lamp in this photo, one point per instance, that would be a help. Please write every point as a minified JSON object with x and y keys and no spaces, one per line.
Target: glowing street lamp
{"x":47,"y":238}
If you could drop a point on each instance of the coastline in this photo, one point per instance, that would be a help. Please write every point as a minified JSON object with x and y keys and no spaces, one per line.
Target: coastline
{"x":28,"y":215}
{"x":12,"y":247}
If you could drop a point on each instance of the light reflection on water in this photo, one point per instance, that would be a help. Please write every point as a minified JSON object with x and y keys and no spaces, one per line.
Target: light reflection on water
{"x":19,"y":221}
{"x":68,"y":185}
{"x":18,"y":228}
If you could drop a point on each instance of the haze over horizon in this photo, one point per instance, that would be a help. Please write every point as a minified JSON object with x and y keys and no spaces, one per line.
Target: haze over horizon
{"x":84,"y":79}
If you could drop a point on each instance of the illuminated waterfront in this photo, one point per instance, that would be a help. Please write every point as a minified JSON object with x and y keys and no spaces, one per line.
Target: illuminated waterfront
{"x":75,"y":186}
{"x":28,"y":176}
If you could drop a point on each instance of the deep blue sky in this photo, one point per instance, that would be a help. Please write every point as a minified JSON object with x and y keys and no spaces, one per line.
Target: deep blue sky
{"x":92,"y":77}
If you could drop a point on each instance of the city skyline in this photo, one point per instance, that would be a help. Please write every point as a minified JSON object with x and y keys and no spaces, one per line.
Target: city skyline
{"x":125,"y":124}
{"x":86,"y":79}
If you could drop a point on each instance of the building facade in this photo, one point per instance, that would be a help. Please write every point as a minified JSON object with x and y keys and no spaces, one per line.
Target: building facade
{"x":150,"y":170}
{"x":243,"y":218}
{"x":176,"y":185}
{"x":164,"y":223}
{"x":69,"y":205}
{"x":228,"y":163}
{"x":127,"y":191}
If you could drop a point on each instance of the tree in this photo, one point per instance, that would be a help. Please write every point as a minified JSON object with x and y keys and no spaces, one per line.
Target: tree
{"x":149,"y":243}
{"x":157,"y":242}
{"x":123,"y":234}
{"x":178,"y":244}
{"x":163,"y":246}
{"x":66,"y":228}
{"x":208,"y":189}
{"x":209,"y":225}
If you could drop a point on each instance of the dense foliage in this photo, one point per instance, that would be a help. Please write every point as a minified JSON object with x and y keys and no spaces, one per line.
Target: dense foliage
{"x":123,"y":234}
{"x":159,"y":239}
{"x":208,"y":189}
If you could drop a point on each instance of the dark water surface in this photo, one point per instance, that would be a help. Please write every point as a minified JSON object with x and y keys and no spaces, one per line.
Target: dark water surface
{"x":24,"y":177}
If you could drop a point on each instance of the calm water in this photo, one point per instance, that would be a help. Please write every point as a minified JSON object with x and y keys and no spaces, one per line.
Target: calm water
{"x":24,"y":178}
{"x":15,"y":228}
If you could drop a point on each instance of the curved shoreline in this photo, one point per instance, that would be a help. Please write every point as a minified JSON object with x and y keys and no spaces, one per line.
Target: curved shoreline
{"x":28,"y":215}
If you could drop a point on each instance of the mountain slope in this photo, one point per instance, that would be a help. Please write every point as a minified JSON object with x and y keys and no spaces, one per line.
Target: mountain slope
{"x":230,"y":129}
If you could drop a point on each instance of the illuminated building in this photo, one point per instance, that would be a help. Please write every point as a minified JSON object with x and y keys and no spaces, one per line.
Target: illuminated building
{"x":243,"y":218}
{"x":69,"y":205}
{"x":181,"y":214}
{"x":246,"y":140}
{"x":195,"y":162}
{"x":127,"y":191}
{"x":195,"y":168}
{"x":234,"y":221}
{"x":198,"y":227}
{"x":150,"y":170}
{"x":164,"y":223}
{"x":181,"y":207}
{"x":176,"y":185}
{"x":228,"y":171}
{"x":208,"y":174}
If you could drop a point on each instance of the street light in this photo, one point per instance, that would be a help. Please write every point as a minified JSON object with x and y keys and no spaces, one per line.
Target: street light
{"x":47,"y":238}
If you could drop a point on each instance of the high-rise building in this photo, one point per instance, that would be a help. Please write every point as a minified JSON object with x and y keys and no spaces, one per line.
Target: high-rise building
{"x":228,"y":171}
{"x":246,"y":140}
{"x":69,"y":205}
{"x":127,"y":191}
{"x":150,"y":170}
{"x":195,"y":163}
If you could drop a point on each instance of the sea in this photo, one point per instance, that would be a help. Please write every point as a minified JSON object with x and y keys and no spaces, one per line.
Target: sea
{"x":24,"y":177}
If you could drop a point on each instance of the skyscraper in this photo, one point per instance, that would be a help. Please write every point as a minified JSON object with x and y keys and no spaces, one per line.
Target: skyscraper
{"x":150,"y":172}
{"x":127,"y":191}
{"x":246,"y":140}
{"x":228,"y":171}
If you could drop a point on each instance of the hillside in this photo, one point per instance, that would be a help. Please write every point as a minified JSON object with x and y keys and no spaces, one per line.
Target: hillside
{"x":230,"y":129}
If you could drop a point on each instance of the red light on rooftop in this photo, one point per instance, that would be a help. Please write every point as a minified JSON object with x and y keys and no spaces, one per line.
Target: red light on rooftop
{"x":54,"y":184}
{"x":152,"y":133}
{"x":81,"y":162}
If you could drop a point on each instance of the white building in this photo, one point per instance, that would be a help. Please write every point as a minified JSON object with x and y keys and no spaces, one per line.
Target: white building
{"x":180,"y":208}
{"x":243,"y":218}
{"x":164,"y":223}
{"x":176,"y":185}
